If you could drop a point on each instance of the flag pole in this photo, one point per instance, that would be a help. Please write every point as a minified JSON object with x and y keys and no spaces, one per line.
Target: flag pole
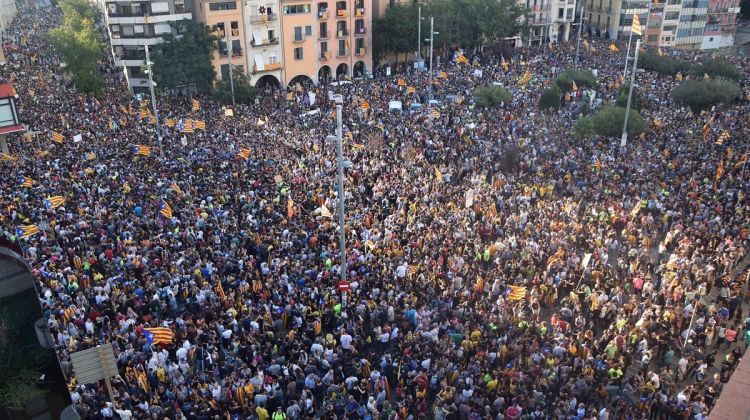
{"x":624,"y":139}
{"x":627,"y":56}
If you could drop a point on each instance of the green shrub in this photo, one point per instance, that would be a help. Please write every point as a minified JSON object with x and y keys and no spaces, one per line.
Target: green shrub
{"x":702,"y":94}
{"x":550,"y":98}
{"x":662,"y":64}
{"x":489,"y":96}
{"x":608,"y":122}
{"x":583,"y":78}
{"x":716,"y":68}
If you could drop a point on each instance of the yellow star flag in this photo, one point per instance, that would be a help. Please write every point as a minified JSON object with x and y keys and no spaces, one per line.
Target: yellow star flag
{"x":613,"y":47}
{"x":636,"y":28}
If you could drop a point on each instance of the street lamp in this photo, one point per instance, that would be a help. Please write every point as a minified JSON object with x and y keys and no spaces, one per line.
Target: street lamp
{"x":338,"y":138}
{"x":151,"y":85}
{"x":431,"y":39}
{"x":580,"y":28}
{"x":624,"y":139}
{"x":419,"y":37}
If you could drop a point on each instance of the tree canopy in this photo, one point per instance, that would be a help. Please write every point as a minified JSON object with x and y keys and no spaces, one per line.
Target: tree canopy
{"x":704,"y":93}
{"x":184,"y":58}
{"x":79,"y":44}
{"x":608,"y":122}
{"x":489,"y":96}
{"x":244,"y":92}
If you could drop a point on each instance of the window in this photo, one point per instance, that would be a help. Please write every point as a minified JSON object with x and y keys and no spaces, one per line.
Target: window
{"x":341,"y":28}
{"x":670,"y":28}
{"x":359,"y":26}
{"x":272,"y":58}
{"x":652,"y":38}
{"x":235,"y":27}
{"x":295,"y":9}
{"x":359,"y":44}
{"x":298,"y":53}
{"x":298,"y":33}
{"x":569,"y":15}
{"x":229,"y":5}
{"x":225,"y":71}
{"x":219,"y":29}
{"x":236,"y":47}
{"x":342,"y":47}
{"x":560,"y":13}
{"x":671,"y":15}
{"x":308,"y":30}
{"x":340,"y":5}
{"x":323,"y":47}
{"x":323,"y":30}
{"x":271,"y":35}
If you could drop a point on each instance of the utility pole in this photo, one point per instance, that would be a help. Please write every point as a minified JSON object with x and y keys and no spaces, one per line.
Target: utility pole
{"x":339,"y":139}
{"x":153,"y":101}
{"x":229,"y":53}
{"x":431,"y":39}
{"x":624,"y":139}
{"x":580,"y":28}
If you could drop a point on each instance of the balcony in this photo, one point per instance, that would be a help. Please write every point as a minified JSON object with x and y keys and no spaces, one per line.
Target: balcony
{"x":323,"y":35}
{"x":360,"y":31}
{"x":266,"y":68}
{"x":342,"y":53}
{"x":123,"y":13}
{"x":325,"y":55}
{"x":361,"y":51}
{"x":342,"y":13}
{"x":263,"y":18}
{"x":264,"y":42}
{"x":299,"y":40}
{"x":235,"y":53}
{"x":359,"y":11}
{"x":342,"y":33}
{"x":323,"y":14}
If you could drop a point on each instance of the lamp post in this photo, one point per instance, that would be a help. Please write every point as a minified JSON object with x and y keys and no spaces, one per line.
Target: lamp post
{"x":229,"y":54}
{"x":151,"y":85}
{"x":624,"y":139}
{"x":338,"y":138}
{"x":431,"y":39}
{"x":580,"y":28}
{"x":419,"y":36}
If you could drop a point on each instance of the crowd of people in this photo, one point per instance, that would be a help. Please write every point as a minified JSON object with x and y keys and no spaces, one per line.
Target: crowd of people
{"x":497,"y":266}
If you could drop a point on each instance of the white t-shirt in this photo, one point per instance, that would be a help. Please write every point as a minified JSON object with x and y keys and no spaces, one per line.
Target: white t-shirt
{"x":346,"y":341}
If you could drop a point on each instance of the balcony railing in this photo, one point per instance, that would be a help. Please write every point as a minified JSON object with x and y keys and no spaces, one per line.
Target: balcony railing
{"x":342,"y":33}
{"x":259,"y":18}
{"x":361,"y":51}
{"x":262,"y":42}
{"x":131,"y":56}
{"x":323,"y":35}
{"x":323,"y":14}
{"x":125,"y":14}
{"x":342,"y":53}
{"x":360,"y":31}
{"x":267,"y":67}
{"x":342,"y":13}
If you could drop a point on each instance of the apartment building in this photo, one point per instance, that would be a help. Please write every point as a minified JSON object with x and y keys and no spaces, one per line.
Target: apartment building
{"x":132,"y":24}
{"x":265,"y":57}
{"x":549,"y":20}
{"x":721,"y":24}
{"x":661,"y":26}
{"x":225,"y":18}
{"x":326,"y":39}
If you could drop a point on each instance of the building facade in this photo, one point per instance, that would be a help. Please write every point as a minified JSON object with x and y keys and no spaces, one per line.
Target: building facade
{"x":721,"y":24}
{"x":265,"y":58}
{"x":225,"y":20}
{"x":134,"y":24}
{"x":325,"y":39}
{"x":549,"y":20}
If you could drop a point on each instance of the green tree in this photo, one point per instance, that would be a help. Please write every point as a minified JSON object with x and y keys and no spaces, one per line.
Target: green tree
{"x":702,"y":94}
{"x":550,"y":98}
{"x":489,"y":96}
{"x":184,"y":59}
{"x":244,"y":92}
{"x":584,"y":127}
{"x":608,"y":122}
{"x":395,"y":31}
{"x":716,"y":68}
{"x":636,"y":102}
{"x":662,"y":64}
{"x":79,"y":44}
{"x":583,"y":78}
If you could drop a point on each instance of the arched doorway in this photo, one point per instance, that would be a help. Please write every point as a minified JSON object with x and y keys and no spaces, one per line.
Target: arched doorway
{"x":561,"y":33}
{"x":360,"y":69}
{"x":268,"y":81}
{"x":324,"y":74}
{"x":301,"y":79}
{"x":342,"y":70}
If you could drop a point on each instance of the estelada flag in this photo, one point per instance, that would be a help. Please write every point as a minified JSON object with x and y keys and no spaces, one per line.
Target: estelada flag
{"x":517,"y":292}
{"x":158,"y":335}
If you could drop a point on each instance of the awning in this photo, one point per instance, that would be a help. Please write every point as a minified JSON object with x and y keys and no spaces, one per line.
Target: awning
{"x":258,"y":35}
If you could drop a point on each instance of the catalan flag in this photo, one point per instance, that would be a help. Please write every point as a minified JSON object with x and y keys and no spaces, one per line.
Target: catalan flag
{"x":442,"y":75}
{"x":461,"y":59}
{"x":290,"y":208}
{"x":679,"y":76}
{"x":636,"y":28}
{"x":126,"y":187}
{"x":434,"y":113}
{"x":196,"y":105}
{"x":325,"y":212}
{"x":165,"y":210}
{"x":400,"y":82}
{"x":586,"y":45}
{"x":575,"y":86}
{"x":24,"y":232}
{"x":69,"y":312}
{"x":176,"y":188}
{"x":158,"y":335}
{"x":743,"y":160}
{"x":526,"y":78}
{"x":707,"y":127}
{"x":199,"y":125}
{"x":613,"y":47}
{"x":170,"y":122}
{"x":413,"y":269}
{"x":517,"y":293}
{"x":56,"y":137}
{"x":660,"y":52}
{"x":438,"y":175}
{"x":7,"y":158}
{"x":410,"y":90}
{"x":244,"y":153}
{"x":142,"y":150}
{"x":724,"y":136}
{"x":720,"y":171}
{"x":54,"y":202}
{"x":504,"y":63}
{"x":145,"y":113}
{"x":187,"y":126}
{"x":25,"y":182}
{"x":220,"y":291}
{"x":366,"y":105}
